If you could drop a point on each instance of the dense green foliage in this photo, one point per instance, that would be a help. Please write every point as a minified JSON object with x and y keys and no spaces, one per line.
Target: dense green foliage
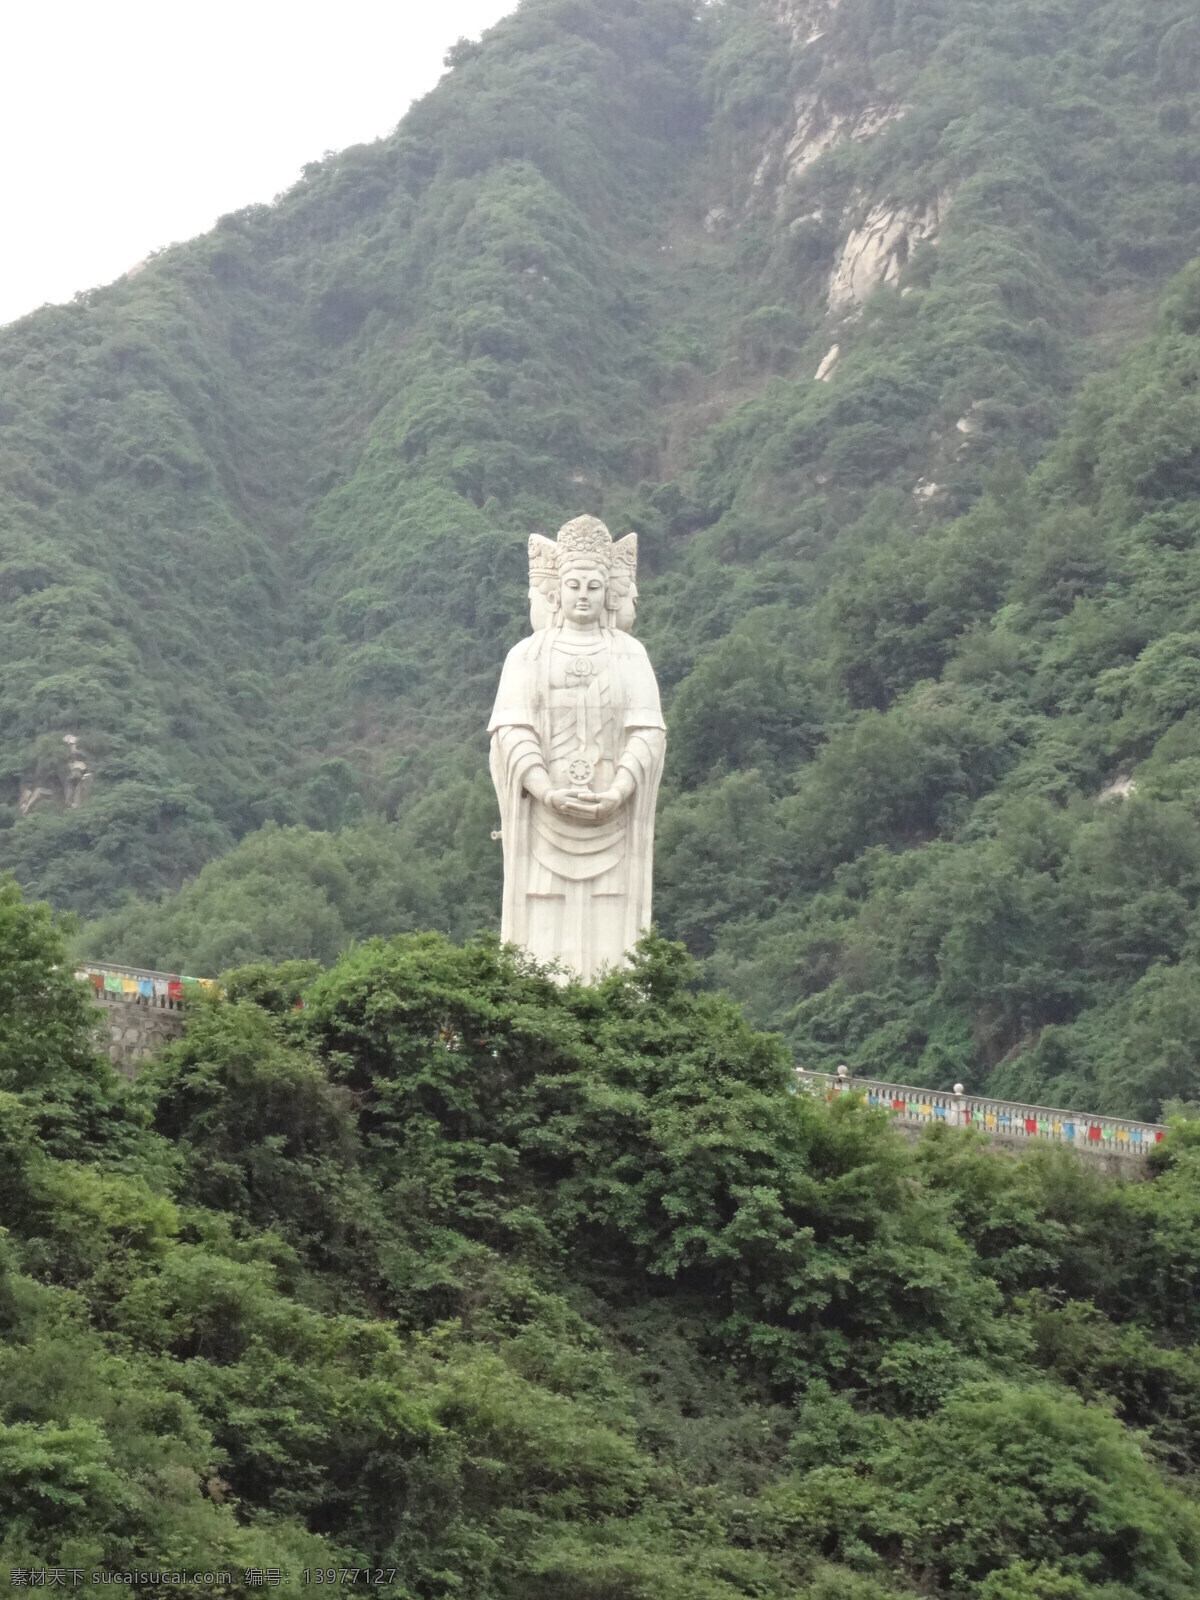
{"x":263,"y":506}
{"x":527,"y":1292}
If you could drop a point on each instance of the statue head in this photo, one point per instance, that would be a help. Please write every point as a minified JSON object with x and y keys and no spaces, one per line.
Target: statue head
{"x":543,"y":582}
{"x":583,"y":575}
{"x":584,"y":549}
{"x":622,"y":584}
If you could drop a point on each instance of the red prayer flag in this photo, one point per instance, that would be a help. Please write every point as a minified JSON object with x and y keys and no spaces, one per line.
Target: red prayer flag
{"x":1030,"y":1124}
{"x":1094,"y":1131}
{"x":899,"y":1105}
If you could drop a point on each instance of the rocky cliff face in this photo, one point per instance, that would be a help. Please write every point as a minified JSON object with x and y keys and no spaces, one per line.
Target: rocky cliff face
{"x":873,"y":234}
{"x":877,"y":250}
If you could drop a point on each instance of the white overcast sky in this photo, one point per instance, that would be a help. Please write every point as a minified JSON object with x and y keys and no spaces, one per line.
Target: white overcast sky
{"x":127,"y":125}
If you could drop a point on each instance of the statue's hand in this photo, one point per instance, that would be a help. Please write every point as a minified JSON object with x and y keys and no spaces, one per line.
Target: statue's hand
{"x":562,"y":801}
{"x":608,"y":803}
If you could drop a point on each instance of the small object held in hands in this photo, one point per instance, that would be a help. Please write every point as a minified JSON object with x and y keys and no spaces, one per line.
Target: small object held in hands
{"x":583,"y":802}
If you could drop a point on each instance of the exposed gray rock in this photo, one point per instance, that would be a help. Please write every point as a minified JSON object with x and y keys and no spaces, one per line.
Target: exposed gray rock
{"x":878,"y":249}
{"x":1119,"y":789}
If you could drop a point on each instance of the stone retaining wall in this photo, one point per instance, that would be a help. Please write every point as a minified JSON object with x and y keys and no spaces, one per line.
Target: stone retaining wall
{"x":129,"y":1032}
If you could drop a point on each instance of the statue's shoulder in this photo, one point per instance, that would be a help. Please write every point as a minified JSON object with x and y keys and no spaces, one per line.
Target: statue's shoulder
{"x":624,"y":644}
{"x":527,"y":647}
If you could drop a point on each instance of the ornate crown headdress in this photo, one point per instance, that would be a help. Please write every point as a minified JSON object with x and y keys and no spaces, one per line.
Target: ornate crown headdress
{"x":584,"y":539}
{"x":543,"y":557}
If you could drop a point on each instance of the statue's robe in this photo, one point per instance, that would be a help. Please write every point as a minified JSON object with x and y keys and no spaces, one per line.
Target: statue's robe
{"x":574,"y":891}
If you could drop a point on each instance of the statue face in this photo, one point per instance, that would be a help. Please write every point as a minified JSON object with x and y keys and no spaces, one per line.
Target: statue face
{"x":583,"y":596}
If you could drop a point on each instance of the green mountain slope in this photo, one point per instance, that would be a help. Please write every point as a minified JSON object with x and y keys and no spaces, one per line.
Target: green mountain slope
{"x":264,"y":510}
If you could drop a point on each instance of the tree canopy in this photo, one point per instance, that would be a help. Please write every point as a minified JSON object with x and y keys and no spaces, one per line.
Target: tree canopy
{"x":511,"y":1290}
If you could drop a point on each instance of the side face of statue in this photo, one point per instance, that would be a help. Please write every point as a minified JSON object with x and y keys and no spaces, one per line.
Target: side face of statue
{"x":577,"y":751}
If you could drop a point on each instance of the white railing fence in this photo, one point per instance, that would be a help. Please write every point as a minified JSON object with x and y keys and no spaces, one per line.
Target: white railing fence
{"x":1007,"y":1119}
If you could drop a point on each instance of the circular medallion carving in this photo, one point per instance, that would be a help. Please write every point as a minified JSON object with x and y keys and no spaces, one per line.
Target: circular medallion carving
{"x":581,"y":771}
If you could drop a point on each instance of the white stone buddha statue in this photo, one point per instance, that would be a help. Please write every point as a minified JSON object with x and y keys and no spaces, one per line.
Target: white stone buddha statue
{"x":577,"y":753}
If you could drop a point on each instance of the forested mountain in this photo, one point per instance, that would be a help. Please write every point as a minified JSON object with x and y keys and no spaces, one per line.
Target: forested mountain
{"x":927,"y":626}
